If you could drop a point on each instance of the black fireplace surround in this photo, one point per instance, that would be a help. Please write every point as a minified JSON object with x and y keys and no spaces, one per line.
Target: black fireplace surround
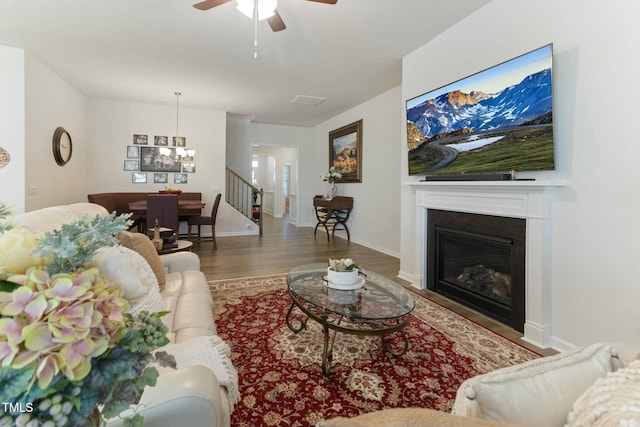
{"x":479,"y":261}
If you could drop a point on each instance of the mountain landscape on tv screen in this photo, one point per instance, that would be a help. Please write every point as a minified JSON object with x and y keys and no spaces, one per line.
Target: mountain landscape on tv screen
{"x":458,"y":132}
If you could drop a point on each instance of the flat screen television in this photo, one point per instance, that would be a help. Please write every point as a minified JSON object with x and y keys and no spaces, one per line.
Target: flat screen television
{"x":493,"y":122}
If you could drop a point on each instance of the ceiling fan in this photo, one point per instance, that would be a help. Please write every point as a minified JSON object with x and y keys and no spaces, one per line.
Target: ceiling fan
{"x":266,"y":9}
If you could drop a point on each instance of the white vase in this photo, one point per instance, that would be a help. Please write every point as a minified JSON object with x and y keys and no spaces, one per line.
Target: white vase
{"x":333,"y":190}
{"x":342,"y":278}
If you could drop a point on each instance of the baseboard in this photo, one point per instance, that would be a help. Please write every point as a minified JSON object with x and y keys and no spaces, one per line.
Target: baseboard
{"x":411,"y":278}
{"x":377,"y":248}
{"x":238,"y":233}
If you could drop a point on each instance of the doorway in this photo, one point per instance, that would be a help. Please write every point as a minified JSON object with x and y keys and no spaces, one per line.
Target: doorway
{"x":277,"y":174}
{"x":286,"y":187}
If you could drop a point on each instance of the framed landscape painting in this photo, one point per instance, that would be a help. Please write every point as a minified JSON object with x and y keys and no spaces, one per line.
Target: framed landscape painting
{"x":345,"y":151}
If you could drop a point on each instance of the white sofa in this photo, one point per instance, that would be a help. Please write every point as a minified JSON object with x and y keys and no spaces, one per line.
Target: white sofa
{"x":592,"y":386}
{"x":190,"y":395}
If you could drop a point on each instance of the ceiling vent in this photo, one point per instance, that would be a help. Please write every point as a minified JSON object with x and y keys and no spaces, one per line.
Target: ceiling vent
{"x":308,"y":100}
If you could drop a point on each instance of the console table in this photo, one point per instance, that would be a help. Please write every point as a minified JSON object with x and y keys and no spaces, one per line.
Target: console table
{"x":332,"y":213}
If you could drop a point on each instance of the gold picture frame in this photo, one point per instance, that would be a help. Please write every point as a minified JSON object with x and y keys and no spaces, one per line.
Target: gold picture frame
{"x":345,"y":151}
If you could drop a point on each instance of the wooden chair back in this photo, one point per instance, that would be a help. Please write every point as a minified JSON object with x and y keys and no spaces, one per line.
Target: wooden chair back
{"x":164,"y":208}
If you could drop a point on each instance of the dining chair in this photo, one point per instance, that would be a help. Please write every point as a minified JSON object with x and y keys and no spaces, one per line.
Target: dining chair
{"x":201,"y":220}
{"x":164,"y":209}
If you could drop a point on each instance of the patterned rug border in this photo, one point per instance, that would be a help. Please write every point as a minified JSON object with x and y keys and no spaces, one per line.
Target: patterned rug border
{"x":415,"y":292}
{"x":281,"y":383}
{"x":421,"y":301}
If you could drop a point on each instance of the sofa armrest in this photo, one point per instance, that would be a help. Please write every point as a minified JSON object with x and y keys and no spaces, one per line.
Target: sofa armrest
{"x":552,"y":382}
{"x":180,"y":261}
{"x":189,"y":396}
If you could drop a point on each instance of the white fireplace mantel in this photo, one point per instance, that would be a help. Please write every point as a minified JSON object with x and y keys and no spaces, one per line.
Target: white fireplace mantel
{"x":530,"y":200}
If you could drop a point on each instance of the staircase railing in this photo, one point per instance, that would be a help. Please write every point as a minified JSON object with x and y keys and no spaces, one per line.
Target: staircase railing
{"x":244,"y":197}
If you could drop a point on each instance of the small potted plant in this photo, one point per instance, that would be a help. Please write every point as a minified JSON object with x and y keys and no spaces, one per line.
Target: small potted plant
{"x":342,"y":272}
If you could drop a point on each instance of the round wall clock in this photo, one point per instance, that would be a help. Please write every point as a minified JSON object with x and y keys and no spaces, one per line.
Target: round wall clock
{"x":62,"y":146}
{"x":4,"y":157}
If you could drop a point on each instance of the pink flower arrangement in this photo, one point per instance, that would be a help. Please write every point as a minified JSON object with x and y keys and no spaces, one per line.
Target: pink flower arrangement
{"x":58,"y":323}
{"x":68,"y":347}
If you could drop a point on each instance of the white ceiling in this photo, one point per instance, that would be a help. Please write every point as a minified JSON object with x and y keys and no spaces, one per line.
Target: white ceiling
{"x":146,"y":50}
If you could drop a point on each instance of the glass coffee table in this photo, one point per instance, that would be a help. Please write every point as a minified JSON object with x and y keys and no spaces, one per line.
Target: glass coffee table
{"x":381,"y":307}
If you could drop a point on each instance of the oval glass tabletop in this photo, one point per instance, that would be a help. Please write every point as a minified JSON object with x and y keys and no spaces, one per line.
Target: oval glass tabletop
{"x":379,"y":298}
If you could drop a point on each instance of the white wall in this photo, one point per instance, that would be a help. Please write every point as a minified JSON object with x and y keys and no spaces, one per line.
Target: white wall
{"x":34,"y":101}
{"x":112,"y":125}
{"x":238,"y":150}
{"x":12,"y":119}
{"x":595,"y":229}
{"x":52,"y":102}
{"x":376,"y":214}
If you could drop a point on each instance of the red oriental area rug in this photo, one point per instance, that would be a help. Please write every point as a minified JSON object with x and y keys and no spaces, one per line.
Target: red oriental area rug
{"x":280,"y":376}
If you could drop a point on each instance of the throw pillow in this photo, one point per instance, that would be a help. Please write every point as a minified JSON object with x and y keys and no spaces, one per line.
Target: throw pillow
{"x":142,"y":245}
{"x":131,"y":271}
{"x":535,"y":393}
{"x":409,"y":417}
{"x":612,"y":401}
{"x":120,"y":266}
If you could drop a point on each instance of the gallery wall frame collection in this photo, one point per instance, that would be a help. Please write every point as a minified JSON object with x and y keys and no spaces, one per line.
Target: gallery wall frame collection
{"x":159,"y":159}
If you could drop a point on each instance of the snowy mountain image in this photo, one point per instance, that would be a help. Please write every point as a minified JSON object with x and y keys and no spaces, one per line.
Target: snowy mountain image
{"x":505,"y":112}
{"x":478,"y":111}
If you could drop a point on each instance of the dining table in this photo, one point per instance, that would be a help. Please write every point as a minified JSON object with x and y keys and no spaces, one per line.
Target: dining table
{"x":185,"y":207}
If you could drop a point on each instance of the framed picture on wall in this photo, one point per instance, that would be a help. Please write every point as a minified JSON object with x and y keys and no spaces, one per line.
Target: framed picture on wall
{"x":131,"y":165}
{"x":140,"y":139}
{"x":179,"y":178}
{"x":133,"y":152}
{"x":159,"y":159}
{"x":345,"y":151}
{"x":161,"y":140}
{"x":160,"y":178}
{"x":188,"y":167}
{"x":139,"y":178}
{"x":179,"y":141}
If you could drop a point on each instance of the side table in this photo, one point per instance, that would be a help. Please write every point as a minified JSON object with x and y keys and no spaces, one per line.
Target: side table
{"x":183,"y":245}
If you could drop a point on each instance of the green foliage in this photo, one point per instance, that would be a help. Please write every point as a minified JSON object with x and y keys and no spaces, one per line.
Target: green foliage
{"x":74,"y":244}
{"x":525,"y":148}
{"x":8,"y":286}
{"x":5,"y":213}
{"x":116,"y":380}
{"x":14,"y":382}
{"x":165,"y":360}
{"x":135,"y":421}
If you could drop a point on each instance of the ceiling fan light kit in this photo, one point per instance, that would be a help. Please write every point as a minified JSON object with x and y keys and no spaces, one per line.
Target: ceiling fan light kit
{"x":266,"y":8}
{"x":256,"y":10}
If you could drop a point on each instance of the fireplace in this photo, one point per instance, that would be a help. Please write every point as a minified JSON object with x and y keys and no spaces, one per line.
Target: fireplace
{"x":527,"y":200}
{"x":479,"y":261}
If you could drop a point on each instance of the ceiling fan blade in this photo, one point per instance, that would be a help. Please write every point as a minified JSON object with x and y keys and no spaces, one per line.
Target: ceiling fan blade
{"x":209,"y":4}
{"x":325,"y":1}
{"x":275,"y":21}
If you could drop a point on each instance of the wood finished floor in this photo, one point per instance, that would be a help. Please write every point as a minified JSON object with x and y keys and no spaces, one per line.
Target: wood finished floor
{"x":284,"y":246}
